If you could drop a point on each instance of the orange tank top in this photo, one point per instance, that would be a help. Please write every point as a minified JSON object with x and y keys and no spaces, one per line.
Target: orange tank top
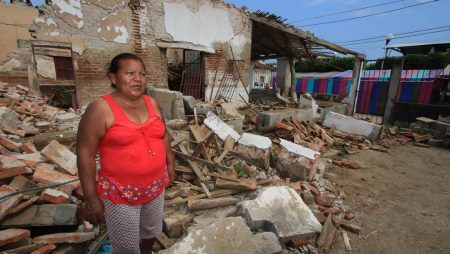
{"x":132,"y":158}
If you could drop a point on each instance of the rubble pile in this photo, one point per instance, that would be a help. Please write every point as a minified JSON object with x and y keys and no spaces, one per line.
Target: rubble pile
{"x":39,"y":190}
{"x":246,"y":179}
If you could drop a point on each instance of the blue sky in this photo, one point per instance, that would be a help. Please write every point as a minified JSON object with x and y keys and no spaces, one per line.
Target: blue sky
{"x":432,"y":15}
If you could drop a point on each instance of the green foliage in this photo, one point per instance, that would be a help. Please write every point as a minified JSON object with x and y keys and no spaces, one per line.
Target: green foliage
{"x":324,"y":64}
{"x":416,"y":61}
{"x":240,"y":169}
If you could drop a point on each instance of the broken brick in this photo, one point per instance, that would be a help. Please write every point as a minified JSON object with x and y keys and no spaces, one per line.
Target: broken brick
{"x":299,"y":241}
{"x":23,"y":205}
{"x":9,"y":144}
{"x":20,"y":133}
{"x":8,"y":203}
{"x":324,"y":200}
{"x":350,"y":227}
{"x":61,"y":156}
{"x":54,"y":196}
{"x":8,"y":162}
{"x":4,"y":151}
{"x":44,"y":175}
{"x":28,"y":147}
{"x":349,"y":216}
{"x":15,"y":172}
{"x":45,"y":249}
{"x":13,"y":235}
{"x":31,"y":159}
{"x":76,"y":237}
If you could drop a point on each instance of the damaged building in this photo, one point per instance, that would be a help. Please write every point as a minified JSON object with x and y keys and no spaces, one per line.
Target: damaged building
{"x":205,"y":49}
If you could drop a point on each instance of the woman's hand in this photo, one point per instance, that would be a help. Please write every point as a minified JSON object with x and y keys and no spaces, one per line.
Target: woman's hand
{"x":171,"y":172}
{"x":95,"y":210}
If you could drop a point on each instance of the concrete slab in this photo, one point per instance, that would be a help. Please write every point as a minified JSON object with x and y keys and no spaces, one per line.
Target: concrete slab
{"x":8,"y":117}
{"x":282,"y":211}
{"x":170,"y":103}
{"x":268,"y":118}
{"x":219,"y":127}
{"x":351,"y":125}
{"x":225,"y":236}
{"x":44,"y":215}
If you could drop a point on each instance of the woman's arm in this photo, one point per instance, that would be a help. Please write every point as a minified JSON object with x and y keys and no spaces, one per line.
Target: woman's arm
{"x":91,"y":129}
{"x":170,"y":157}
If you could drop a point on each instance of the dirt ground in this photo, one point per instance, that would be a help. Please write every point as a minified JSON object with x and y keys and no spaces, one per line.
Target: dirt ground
{"x":401,"y":199}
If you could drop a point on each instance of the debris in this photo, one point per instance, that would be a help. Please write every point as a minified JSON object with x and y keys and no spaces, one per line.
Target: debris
{"x":211,"y":203}
{"x":327,"y":234}
{"x":350,"y":227}
{"x":351,"y":125}
{"x":346,"y":240}
{"x":13,"y":235}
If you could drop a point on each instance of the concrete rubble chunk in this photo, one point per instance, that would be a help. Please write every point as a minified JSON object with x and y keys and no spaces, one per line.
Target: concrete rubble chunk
{"x":174,"y":224}
{"x":8,"y":162}
{"x":225,"y":236}
{"x":61,"y":156}
{"x":214,"y":214}
{"x":268,"y":118}
{"x":170,"y":102}
{"x":282,"y":211}
{"x":65,"y":117}
{"x":257,"y":141}
{"x":219,"y":127}
{"x":76,"y":237}
{"x":44,"y":215}
{"x":31,"y":159}
{"x":351,"y":125}
{"x":8,"y":117}
{"x":13,"y":235}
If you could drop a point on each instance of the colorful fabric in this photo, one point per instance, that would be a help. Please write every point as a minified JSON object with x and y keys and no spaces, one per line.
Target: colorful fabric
{"x":132,"y":158}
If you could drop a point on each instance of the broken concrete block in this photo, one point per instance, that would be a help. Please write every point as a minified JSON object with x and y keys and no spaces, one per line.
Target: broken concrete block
{"x":170,"y":103}
{"x":214,"y":214}
{"x":76,"y":237}
{"x":255,"y":149}
{"x":8,"y":203}
{"x":225,"y":236}
{"x":42,"y":125}
{"x":9,"y":162}
{"x":296,"y":162}
{"x":44,"y":175}
{"x":44,"y":215}
{"x":13,"y":235}
{"x":61,"y":156}
{"x":55,"y":196}
{"x":219,"y":127}
{"x":9,"y":144}
{"x":49,"y":112}
{"x":65,"y":117}
{"x":268,"y":118}
{"x":174,"y":224}
{"x":351,"y":125}
{"x":8,"y":117}
{"x":282,"y":211}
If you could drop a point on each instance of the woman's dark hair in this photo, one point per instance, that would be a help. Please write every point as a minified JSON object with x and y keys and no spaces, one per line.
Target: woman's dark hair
{"x":114,"y":66}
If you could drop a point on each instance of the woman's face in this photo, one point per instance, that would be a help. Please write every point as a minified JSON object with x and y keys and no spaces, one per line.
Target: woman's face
{"x":130,"y":79}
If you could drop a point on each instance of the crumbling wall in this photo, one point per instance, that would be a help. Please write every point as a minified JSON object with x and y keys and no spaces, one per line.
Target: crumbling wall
{"x":220,"y":30}
{"x":14,"y":62}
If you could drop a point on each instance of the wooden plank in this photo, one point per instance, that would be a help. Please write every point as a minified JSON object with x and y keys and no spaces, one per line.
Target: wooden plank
{"x":209,"y":163}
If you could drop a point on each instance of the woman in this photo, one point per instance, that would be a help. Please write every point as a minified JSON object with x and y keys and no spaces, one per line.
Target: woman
{"x":127,"y":129}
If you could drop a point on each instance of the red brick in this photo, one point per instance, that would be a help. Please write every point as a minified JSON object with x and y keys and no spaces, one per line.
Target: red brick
{"x":76,"y":237}
{"x":15,"y":172}
{"x":13,"y":235}
{"x":61,"y":156}
{"x":55,"y":196}
{"x":7,"y":204}
{"x":299,"y":241}
{"x":324,"y":200}
{"x":4,"y":151}
{"x":13,"y":131}
{"x":28,"y":147}
{"x":349,"y":216}
{"x":45,"y":249}
{"x":31,"y":159}
{"x":350,"y":227}
{"x":9,"y":162}
{"x":44,"y":175}
{"x":9,"y":144}
{"x":23,"y":205}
